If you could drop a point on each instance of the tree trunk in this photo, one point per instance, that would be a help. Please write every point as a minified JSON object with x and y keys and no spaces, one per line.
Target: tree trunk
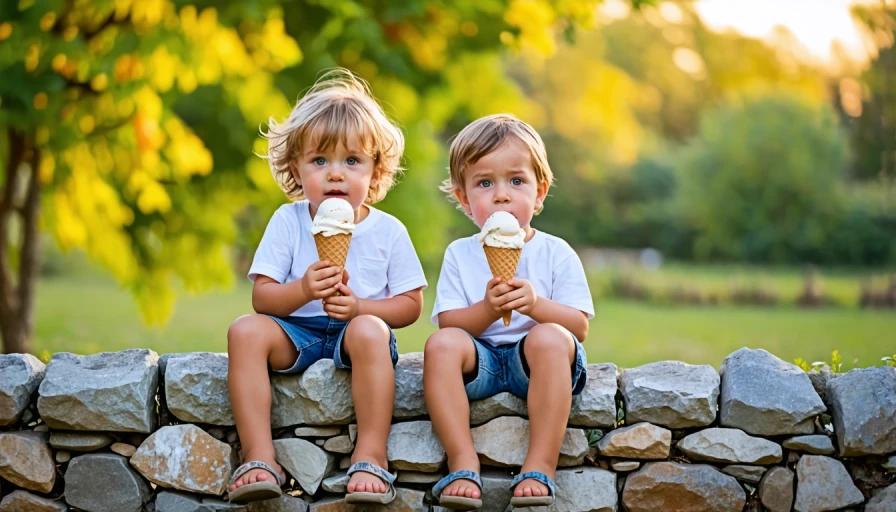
{"x":17,"y":295}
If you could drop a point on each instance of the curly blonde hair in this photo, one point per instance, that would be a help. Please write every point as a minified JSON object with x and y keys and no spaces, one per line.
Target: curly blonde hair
{"x":337,"y":108}
{"x":485,"y":135}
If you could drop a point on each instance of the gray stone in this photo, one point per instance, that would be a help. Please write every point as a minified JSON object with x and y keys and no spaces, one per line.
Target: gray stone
{"x":353,"y":432}
{"x":20,"y":375}
{"x":406,"y":500}
{"x":216,"y":505}
{"x":890,"y":463}
{"x":824,"y":484}
{"x":79,"y":441}
{"x":776,"y":489}
{"x":322,"y":395}
{"x":320,"y":442}
{"x":63,"y":456}
{"x":670,"y":486}
{"x":337,"y":482}
{"x":414,"y":446}
{"x":496,"y":491}
{"x":103,"y":481}
{"x":168,"y":501}
{"x":307,"y":463}
{"x":345,"y":462}
{"x":584,"y":490}
{"x":670,"y":393}
{"x":196,"y":388}
{"x":625,"y":466}
{"x":339,"y":444}
{"x":409,"y":401}
{"x":26,"y":460}
{"x":764,"y":395}
{"x":752,"y":474}
{"x":114,"y":391}
{"x":731,"y":446}
{"x":318,"y":431}
{"x":884,"y":501}
{"x":595,"y":406}
{"x":283,"y":504}
{"x":864,"y":411}
{"x":502,"y":404}
{"x":504,"y":442}
{"x":818,"y":444}
{"x":23,"y":501}
{"x":123,"y":449}
{"x":185,"y":458}
{"x":416,"y":477}
{"x":639,"y":441}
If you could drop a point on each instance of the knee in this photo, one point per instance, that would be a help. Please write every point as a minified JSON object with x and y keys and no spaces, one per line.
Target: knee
{"x":548,"y":340}
{"x":443,"y":344}
{"x":366,"y":332}
{"x":243,"y":331}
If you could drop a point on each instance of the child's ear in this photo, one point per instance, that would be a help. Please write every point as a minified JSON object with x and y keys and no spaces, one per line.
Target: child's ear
{"x":462,"y":200}
{"x":541,"y":194}
{"x":294,"y":170}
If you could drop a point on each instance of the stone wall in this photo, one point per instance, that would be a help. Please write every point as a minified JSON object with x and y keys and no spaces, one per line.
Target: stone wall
{"x":131,"y":431}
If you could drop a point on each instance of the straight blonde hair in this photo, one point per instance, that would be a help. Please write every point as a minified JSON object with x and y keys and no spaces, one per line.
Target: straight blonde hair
{"x":485,"y":135}
{"x":337,"y":108}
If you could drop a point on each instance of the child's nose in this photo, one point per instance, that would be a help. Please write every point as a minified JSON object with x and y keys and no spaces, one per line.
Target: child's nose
{"x":501,"y":195}
{"x":335,"y":173}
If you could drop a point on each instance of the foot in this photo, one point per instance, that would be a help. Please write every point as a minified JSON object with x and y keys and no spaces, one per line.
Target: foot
{"x":257,"y":475}
{"x":463,"y":488}
{"x":532,"y":488}
{"x":362,"y":481}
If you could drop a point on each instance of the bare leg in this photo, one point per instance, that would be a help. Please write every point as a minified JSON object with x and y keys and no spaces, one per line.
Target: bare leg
{"x":366,"y":342}
{"x":253,"y":342}
{"x":550,"y":352}
{"x":448,"y":356}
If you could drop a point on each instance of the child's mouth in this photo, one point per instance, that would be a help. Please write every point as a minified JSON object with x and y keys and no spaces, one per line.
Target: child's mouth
{"x":335,"y":193}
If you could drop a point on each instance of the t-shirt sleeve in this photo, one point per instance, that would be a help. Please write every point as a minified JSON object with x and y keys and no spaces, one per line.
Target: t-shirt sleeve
{"x":449,"y":290}
{"x":273,"y":258}
{"x":570,"y":286}
{"x":405,"y":273}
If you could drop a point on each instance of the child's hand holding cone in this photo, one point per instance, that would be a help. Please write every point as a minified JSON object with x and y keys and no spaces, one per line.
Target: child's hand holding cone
{"x":502,"y":240}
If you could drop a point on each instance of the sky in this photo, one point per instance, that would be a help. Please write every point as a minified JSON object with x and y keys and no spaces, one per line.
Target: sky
{"x":816,"y":23}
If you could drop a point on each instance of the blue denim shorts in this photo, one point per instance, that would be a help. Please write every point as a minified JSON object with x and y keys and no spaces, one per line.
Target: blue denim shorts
{"x":501,"y":368}
{"x":320,"y":337}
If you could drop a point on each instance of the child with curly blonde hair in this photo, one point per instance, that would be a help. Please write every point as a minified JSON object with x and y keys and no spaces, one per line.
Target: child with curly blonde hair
{"x":336,"y":143}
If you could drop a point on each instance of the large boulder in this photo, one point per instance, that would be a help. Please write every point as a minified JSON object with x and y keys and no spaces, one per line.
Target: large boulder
{"x":504,"y":442}
{"x":730,"y":445}
{"x":185,"y":458}
{"x":114,"y":391}
{"x":824,"y":484}
{"x":776,"y":489}
{"x":670,"y":393}
{"x":584,"y":490}
{"x":764,"y":395}
{"x":864,"y":411}
{"x":322,"y":395}
{"x":670,"y":486}
{"x":103,"y":481}
{"x":307,"y":463}
{"x":409,"y":401}
{"x":20,"y":375}
{"x":639,"y":441}
{"x":595,"y":406}
{"x":23,"y":501}
{"x":414,"y":446}
{"x":26,"y":460}
{"x":196,"y":388}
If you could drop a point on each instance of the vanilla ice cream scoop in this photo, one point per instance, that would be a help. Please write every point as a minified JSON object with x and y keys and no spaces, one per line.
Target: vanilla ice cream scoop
{"x":502,"y":230}
{"x":334,"y":217}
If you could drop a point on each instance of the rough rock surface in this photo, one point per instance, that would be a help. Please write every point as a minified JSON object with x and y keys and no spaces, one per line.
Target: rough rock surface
{"x":104,"y":481}
{"x":639,"y":441}
{"x":730,"y":445}
{"x":20,"y":374}
{"x":414,"y":446}
{"x":670,"y":393}
{"x":824,"y":484}
{"x":185,"y":458}
{"x":307,"y":463}
{"x":504,"y":442}
{"x":864,"y":411}
{"x":26,"y":460}
{"x":670,"y":486}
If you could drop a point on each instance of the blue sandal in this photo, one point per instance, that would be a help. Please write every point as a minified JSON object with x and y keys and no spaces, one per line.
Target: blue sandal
{"x":256,"y":491}
{"x":379,"y":498}
{"x":458,"y":502}
{"x":533,"y":501}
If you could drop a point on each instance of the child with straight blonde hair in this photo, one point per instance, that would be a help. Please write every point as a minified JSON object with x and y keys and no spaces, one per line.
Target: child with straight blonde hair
{"x":498,"y":164}
{"x":336,"y":143}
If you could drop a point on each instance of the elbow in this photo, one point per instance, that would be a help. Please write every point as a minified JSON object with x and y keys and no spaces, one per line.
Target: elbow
{"x":583,"y":330}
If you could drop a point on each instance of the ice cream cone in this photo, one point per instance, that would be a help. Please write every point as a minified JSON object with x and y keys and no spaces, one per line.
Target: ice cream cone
{"x":502,"y":263}
{"x":333,"y":248}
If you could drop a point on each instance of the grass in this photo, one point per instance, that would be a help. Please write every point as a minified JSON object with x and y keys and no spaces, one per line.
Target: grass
{"x":89,"y":314}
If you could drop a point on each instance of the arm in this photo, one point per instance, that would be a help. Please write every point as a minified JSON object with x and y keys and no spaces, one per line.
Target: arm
{"x":399,"y":311}
{"x":522,"y":298}
{"x":270,"y":297}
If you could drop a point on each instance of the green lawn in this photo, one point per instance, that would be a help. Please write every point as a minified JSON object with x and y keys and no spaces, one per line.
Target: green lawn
{"x":87,"y":315}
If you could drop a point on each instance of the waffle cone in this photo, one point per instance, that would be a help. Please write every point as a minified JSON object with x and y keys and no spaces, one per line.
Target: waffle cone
{"x":333,"y":248}
{"x":502,"y":263}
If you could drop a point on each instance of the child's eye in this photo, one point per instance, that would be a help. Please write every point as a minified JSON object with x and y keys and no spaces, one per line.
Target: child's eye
{"x":516,"y":181}
{"x":351,"y":160}
{"x":320,"y":160}
{"x":485,"y":183}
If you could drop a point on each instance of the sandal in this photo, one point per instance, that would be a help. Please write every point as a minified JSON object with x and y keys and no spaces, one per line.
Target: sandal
{"x":256,"y":491}
{"x":458,"y":502}
{"x":378,"y":498}
{"x":533,"y":501}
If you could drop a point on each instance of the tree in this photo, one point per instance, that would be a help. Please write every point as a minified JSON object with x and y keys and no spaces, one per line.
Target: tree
{"x":760,"y":180}
{"x":130,"y":125}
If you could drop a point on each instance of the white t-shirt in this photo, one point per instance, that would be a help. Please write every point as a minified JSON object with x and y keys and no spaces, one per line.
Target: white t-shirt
{"x":548,"y":262}
{"x":381,"y":259}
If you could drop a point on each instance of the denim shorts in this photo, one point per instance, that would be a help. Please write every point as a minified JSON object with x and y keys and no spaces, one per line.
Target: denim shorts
{"x":501,"y":368}
{"x":320,"y":337}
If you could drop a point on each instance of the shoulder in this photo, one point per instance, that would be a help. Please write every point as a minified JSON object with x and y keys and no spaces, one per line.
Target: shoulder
{"x":462,"y":245}
{"x":291,"y":212}
{"x":383,"y":222}
{"x":554,"y":244}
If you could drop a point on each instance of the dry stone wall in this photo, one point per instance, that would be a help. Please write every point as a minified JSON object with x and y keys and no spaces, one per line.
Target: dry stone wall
{"x":132,"y":431}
